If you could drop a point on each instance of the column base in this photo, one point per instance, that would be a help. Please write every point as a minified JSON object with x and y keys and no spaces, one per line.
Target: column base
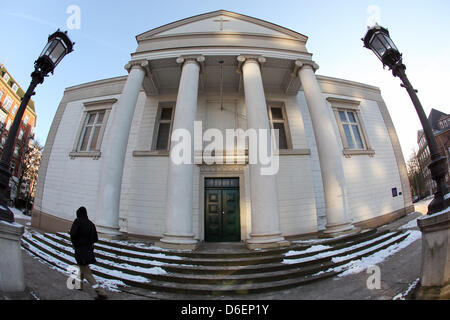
{"x":11,"y":265}
{"x":110,"y":233}
{"x":266,"y":241}
{"x":178,"y":242}
{"x":333,"y":231}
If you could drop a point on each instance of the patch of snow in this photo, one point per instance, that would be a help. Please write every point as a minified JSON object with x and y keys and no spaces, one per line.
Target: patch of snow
{"x":403,"y":295}
{"x":309,"y":250}
{"x":144,"y":254}
{"x":18,"y":214}
{"x":149,"y":262}
{"x":34,"y":295}
{"x":115,"y":273}
{"x":335,"y":252}
{"x":149,"y":270}
{"x":359,"y":265}
{"x":410,"y":225}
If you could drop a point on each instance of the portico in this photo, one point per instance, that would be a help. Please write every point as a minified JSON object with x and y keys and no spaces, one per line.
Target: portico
{"x":265,"y":219}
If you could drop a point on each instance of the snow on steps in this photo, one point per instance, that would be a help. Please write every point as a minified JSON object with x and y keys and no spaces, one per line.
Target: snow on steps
{"x":162,"y":270}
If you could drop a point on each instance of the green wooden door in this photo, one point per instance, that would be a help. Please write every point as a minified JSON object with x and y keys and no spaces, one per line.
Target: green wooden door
{"x":222,"y":214}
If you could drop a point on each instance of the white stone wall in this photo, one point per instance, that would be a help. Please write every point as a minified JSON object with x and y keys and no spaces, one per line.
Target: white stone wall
{"x":73,"y":183}
{"x":369,"y":180}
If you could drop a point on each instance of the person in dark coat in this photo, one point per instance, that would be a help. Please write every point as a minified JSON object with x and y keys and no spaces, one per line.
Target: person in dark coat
{"x":83,"y":235}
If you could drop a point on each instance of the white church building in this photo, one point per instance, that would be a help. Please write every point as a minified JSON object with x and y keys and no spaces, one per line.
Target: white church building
{"x":111,"y":144}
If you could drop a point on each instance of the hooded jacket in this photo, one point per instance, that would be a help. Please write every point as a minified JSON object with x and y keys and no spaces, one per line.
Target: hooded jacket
{"x":83,"y":235}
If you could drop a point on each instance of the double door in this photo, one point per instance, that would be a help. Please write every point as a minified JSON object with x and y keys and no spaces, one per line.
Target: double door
{"x":222,"y":214}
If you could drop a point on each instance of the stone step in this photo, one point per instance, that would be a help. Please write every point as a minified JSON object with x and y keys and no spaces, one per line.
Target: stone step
{"x":146,"y":248}
{"x":249,"y":259}
{"x":256,"y":267}
{"x":259,"y":279}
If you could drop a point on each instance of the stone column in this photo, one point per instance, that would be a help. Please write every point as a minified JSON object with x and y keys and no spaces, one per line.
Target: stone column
{"x":330,"y":155}
{"x":179,"y":228}
{"x":11,"y":264}
{"x":108,"y":204}
{"x":263,"y":188}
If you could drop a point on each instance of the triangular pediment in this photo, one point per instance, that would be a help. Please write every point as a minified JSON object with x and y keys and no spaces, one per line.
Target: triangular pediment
{"x":221,"y":21}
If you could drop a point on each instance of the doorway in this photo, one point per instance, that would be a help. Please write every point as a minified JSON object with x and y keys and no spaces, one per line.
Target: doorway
{"x":222,"y":212}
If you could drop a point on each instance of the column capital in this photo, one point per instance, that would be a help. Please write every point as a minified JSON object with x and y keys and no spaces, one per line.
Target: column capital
{"x":198,"y":59}
{"x":299,"y":64}
{"x":143,"y":64}
{"x":242,"y":59}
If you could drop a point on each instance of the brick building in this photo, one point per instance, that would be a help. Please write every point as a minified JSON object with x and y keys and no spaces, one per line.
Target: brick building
{"x":10,"y":98}
{"x":440,"y":123}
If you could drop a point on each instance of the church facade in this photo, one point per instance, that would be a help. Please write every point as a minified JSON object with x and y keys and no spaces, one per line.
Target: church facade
{"x":112,"y":143}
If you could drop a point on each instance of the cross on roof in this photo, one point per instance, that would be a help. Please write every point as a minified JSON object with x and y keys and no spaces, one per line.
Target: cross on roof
{"x":221,"y":20}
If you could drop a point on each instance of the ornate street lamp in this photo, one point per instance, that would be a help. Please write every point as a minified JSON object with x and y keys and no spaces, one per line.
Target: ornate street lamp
{"x":58,"y":46}
{"x":378,"y":40}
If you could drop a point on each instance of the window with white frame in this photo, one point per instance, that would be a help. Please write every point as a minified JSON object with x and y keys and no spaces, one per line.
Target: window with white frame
{"x":351,"y":127}
{"x":15,"y":87}
{"x":20,"y":137}
{"x":163,"y":126}
{"x":278,"y":121}
{"x":14,"y":109}
{"x":8,"y":102}
{"x":16,"y":152}
{"x":6,"y":77}
{"x":8,"y":124}
{"x":26,"y":119}
{"x":91,"y":131}
{"x":1,"y":94}
{"x":92,"y":128}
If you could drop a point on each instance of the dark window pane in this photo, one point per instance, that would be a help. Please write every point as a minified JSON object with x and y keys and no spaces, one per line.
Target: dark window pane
{"x":91,"y":118}
{"x":85,"y":140}
{"x":101,"y":115}
{"x":282,"y":141}
{"x":95,"y":138}
{"x":166,"y":113}
{"x":358,"y":139}
{"x":348,"y":135}
{"x":351,"y":117}
{"x":343,"y":116}
{"x":162,"y":142}
{"x":277,"y":113}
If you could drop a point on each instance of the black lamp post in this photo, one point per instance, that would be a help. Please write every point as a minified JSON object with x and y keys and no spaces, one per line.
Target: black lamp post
{"x":377,"y":39}
{"x":57,"y":47}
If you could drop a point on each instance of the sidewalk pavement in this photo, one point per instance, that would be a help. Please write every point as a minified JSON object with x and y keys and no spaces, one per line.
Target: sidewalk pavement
{"x":398,"y":273}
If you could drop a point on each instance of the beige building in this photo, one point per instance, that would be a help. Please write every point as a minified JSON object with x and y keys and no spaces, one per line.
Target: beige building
{"x":111,"y":144}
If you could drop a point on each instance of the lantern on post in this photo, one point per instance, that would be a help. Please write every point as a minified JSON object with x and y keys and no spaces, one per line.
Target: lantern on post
{"x":379,"y":41}
{"x":58,"y":46}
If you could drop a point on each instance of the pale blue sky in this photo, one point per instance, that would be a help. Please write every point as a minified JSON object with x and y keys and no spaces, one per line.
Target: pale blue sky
{"x":421,"y":30}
